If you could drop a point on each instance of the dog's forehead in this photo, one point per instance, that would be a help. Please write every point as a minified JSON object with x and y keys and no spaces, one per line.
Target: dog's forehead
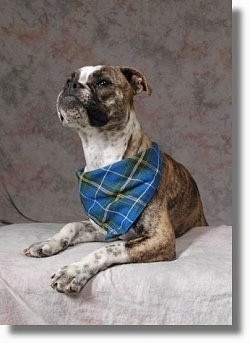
{"x":85,"y":72}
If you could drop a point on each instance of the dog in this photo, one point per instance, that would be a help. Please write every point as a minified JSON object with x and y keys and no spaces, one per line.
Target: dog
{"x":97,"y":102}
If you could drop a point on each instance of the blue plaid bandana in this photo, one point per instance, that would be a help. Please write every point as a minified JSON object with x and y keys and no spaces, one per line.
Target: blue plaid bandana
{"x":114,"y":196}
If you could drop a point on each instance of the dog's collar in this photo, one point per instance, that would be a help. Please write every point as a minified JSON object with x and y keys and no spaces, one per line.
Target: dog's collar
{"x":114,"y":196}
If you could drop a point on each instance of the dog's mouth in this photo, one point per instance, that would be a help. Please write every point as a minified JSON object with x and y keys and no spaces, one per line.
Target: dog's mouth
{"x":69,"y":108}
{"x":72,"y":110}
{"x":61,"y":117}
{"x":69,"y":102}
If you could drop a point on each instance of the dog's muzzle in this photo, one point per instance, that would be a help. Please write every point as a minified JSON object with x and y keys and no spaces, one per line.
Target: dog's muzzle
{"x":77,"y":101}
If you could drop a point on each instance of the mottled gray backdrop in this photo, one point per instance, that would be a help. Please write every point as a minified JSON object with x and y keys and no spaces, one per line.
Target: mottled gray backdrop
{"x":182,"y":46}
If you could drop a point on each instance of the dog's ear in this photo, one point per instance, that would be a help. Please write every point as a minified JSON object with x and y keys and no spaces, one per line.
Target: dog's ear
{"x":136,"y":79}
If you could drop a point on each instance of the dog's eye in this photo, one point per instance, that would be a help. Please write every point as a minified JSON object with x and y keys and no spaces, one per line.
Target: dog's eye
{"x":103,"y":83}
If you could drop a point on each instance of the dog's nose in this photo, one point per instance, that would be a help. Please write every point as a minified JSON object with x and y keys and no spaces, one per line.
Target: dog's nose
{"x":72,"y":85}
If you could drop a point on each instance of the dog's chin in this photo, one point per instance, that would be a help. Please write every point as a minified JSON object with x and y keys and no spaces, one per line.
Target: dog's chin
{"x":80,"y":119}
{"x":72,"y":113}
{"x":72,"y":120}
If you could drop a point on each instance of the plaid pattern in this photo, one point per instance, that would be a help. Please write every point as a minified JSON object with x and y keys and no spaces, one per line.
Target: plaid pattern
{"x":114,"y":196}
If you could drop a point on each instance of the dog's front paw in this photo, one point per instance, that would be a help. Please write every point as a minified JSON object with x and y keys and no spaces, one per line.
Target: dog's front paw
{"x":45,"y":248}
{"x":70,"y":279}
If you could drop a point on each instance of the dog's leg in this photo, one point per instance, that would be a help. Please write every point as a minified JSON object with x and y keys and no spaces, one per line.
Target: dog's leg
{"x":156,"y":244}
{"x":70,"y":234}
{"x":71,"y":278}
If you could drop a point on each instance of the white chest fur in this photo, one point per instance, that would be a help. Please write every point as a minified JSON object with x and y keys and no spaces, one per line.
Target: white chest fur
{"x":102,"y":148}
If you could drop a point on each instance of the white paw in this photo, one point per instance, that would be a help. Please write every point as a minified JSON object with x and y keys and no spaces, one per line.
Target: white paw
{"x":46,"y":248}
{"x":71,"y":278}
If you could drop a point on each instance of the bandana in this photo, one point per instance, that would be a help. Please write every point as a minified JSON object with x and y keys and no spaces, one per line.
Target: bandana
{"x":114,"y":196}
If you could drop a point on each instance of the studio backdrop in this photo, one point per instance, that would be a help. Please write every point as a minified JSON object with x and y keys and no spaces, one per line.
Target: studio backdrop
{"x":182,"y":47}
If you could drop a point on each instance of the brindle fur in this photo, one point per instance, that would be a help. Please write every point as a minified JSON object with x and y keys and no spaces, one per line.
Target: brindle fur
{"x":109,"y":130}
{"x":174,"y":209}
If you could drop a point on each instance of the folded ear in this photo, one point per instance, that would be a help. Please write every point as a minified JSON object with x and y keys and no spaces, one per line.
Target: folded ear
{"x":136,"y":79}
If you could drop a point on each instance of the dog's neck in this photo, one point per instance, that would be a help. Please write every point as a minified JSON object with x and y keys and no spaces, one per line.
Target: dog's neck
{"x":102,"y":147}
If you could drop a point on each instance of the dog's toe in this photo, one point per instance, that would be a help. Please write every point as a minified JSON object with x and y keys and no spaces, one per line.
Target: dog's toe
{"x":67,"y":280}
{"x":73,"y":287}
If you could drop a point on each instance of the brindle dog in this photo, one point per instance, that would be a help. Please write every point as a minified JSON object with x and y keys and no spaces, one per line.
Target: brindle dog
{"x":98,"y":103}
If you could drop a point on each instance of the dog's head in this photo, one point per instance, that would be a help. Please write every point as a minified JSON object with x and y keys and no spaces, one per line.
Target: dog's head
{"x":100,"y":96}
